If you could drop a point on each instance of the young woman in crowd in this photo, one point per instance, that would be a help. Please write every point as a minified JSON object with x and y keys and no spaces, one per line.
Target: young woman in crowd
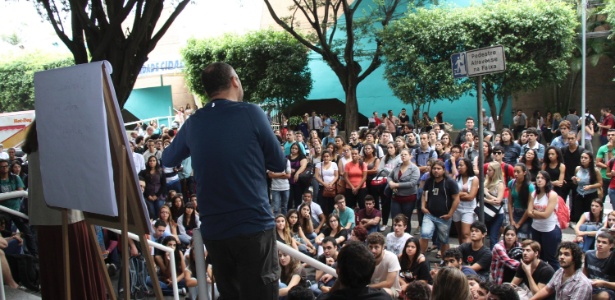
{"x":442,"y":154}
{"x":468,"y":188}
{"x":339,"y":145}
{"x":333,"y":229}
{"x":521,"y":190}
{"x":512,"y":150}
{"x":503,"y":266}
{"x":165,"y":215}
{"x":554,"y":165}
{"x":530,"y":159}
{"x":313,"y":138}
{"x":399,"y":144}
{"x":433,"y":138}
{"x":450,"y":284}
{"x":155,"y":186}
{"x":331,"y":148}
{"x":304,"y":244}
{"x":522,"y":138}
{"x":326,"y":174}
{"x":373,"y":162}
{"x":545,"y":228}
{"x":184,"y":276}
{"x":588,"y":180}
{"x":589,"y":224}
{"x":188,"y":222}
{"x":292,"y":273}
{"x":589,"y":134}
{"x":446,"y":142}
{"x":355,"y":175}
{"x":283,"y":232}
{"x":494,"y":196}
{"x":177,"y":207}
{"x":387,"y":164}
{"x":414,"y":265}
{"x":487,"y":151}
{"x":298,"y":163}
{"x":305,"y":221}
{"x":403,"y":183}
{"x":358,"y":234}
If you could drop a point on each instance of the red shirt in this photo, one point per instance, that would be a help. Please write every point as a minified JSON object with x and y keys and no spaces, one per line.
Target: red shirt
{"x":608,"y":120}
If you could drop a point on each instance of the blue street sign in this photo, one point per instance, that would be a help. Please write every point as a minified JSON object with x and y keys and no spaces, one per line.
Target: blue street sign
{"x":458,"y":62}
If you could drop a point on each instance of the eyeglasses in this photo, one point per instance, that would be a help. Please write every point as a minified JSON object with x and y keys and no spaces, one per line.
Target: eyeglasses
{"x":498,"y":153}
{"x":4,"y":166}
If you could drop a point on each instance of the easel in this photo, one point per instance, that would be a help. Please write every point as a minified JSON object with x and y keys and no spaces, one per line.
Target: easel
{"x":131,"y":212}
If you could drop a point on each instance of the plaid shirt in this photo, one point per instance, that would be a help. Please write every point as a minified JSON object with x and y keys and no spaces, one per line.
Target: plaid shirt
{"x":576,"y":287}
{"x":499,"y":260}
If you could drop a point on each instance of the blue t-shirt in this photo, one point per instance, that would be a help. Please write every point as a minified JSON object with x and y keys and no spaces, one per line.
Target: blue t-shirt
{"x":10,"y":185}
{"x":232,"y":145}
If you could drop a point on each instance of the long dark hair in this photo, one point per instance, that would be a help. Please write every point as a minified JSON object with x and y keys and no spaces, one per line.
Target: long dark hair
{"x":31,"y":143}
{"x":558,"y":153}
{"x":524,"y":191}
{"x":299,"y":153}
{"x":591,"y":167}
{"x":548,"y":185}
{"x":157,"y":167}
{"x":406,"y":261}
{"x":591,"y":216}
{"x":388,"y":157}
{"x":293,"y":228}
{"x":535,"y":165}
{"x":190,"y":221}
{"x":177,"y":252}
{"x":469,"y":168}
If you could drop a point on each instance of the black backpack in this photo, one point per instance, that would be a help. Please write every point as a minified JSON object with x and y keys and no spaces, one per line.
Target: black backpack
{"x":25,"y":270}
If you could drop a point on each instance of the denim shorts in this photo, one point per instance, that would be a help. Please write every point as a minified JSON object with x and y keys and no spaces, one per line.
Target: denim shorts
{"x":431,"y":224}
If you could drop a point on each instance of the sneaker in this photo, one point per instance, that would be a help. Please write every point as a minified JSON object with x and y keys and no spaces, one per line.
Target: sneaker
{"x":182,"y":291}
{"x":417,"y":230}
{"x":111,"y":269}
{"x":383,"y":228}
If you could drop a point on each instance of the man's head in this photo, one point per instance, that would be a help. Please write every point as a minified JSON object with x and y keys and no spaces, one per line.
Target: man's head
{"x":403,"y":112}
{"x":11,"y":152}
{"x":411,"y":138}
{"x":400,"y":223}
{"x":456,"y":151}
{"x":220,"y":80}
{"x":532,"y":134}
{"x":571,"y":138}
{"x":469,"y":123}
{"x":498,"y":153}
{"x":610,"y":135}
{"x":502,"y":292}
{"x":159,"y":227}
{"x":4,"y":167}
{"x":332,"y":130}
{"x":437,"y":169}
{"x":142,"y":184}
{"x":354,"y":135}
{"x":307,"y":196}
{"x":369,"y":203}
{"x":452,"y":258}
{"x":469,"y":136}
{"x":375,"y":242}
{"x":385,"y":138}
{"x":341,"y":202}
{"x":605,"y":111}
{"x":604,"y":242}
{"x":570,"y":255}
{"x":531,"y":250}
{"x":299,"y":136}
{"x":329,"y":247}
{"x":478,"y":231}
{"x":519,"y":112}
{"x":424,"y":139}
{"x":355,"y":265}
{"x":572,"y":111}
{"x":290,"y":136}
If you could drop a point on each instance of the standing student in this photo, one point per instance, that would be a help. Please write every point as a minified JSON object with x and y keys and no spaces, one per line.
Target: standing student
{"x":232,"y":185}
{"x":588,"y":180}
{"x":545,"y":228}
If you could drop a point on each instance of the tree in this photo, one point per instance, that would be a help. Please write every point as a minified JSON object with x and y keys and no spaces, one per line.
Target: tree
{"x":95,"y":33}
{"x":339,"y":41}
{"x":17,"y":79}
{"x":538,"y":37}
{"x":272,"y":65}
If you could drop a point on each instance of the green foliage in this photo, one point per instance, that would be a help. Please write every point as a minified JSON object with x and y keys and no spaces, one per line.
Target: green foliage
{"x":17,"y":79}
{"x":538,"y":37}
{"x":272,"y":65}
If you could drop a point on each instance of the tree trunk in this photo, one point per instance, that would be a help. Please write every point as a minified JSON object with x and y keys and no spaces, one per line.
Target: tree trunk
{"x":351,"y":119}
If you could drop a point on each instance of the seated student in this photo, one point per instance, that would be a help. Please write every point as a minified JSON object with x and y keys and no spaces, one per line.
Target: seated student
{"x":6,"y":270}
{"x":324,"y":282}
{"x":397,"y":239}
{"x":475,"y":254}
{"x":369,"y":216}
{"x":533,"y":272}
{"x":502,"y":292}
{"x":346,"y":215}
{"x":355,"y":266}
{"x":184,"y":276}
{"x":292,"y":273}
{"x":452,"y":258}
{"x":159,"y":233}
{"x":299,"y":293}
{"x":386,"y":274}
{"x":333,"y":229}
{"x":414,"y":265}
{"x":450,"y":284}
{"x":589,"y":224}
{"x":418,"y":290}
{"x":603,"y":285}
{"x":188,"y":222}
{"x":358,"y":234}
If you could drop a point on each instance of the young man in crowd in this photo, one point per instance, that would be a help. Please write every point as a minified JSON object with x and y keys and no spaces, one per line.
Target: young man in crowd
{"x":603,"y":284}
{"x":354,"y":142}
{"x":572,"y":159}
{"x":569,"y":282}
{"x":391,"y":122}
{"x":369,"y":216}
{"x":330,"y":137}
{"x":346,"y":214}
{"x":421,"y":156}
{"x":502,"y":292}
{"x":386,"y":273}
{"x":533,"y":272}
{"x":439,"y":202}
{"x":520,"y":120}
{"x":475,"y":254}
{"x":562,"y":140}
{"x":324,"y":282}
{"x":396,"y":239}
{"x":607,"y":123}
{"x":532,"y":143}
{"x":411,"y":139}
{"x":290,"y":140}
{"x":603,"y":156}
{"x":455,"y":158}
{"x":452,"y":258}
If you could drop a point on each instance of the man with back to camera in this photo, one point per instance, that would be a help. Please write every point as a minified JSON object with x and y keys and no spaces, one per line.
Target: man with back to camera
{"x":236,"y":221}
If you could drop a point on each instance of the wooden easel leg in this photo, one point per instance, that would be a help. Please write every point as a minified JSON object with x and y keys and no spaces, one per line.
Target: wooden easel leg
{"x":66,"y":253}
{"x":101,"y":262}
{"x":149,"y":262}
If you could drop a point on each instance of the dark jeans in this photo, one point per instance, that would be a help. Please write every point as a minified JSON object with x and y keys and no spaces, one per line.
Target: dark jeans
{"x":352,"y":200}
{"x":569,"y":189}
{"x":549,"y":242}
{"x":153,"y":207}
{"x":326,"y":203}
{"x":24,"y":227}
{"x":386,"y":205}
{"x":581,"y":204}
{"x":605,"y":188}
{"x":403,"y":208}
{"x":296,"y":195}
{"x":374,"y":191}
{"x":493,"y":228}
{"x":246,"y":266}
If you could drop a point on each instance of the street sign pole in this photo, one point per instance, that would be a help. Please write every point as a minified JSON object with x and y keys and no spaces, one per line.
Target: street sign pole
{"x":481,"y":155}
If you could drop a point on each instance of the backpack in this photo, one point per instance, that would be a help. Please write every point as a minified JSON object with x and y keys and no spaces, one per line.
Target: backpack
{"x":138,"y":276}
{"x":25,"y":270}
{"x":561,"y":211}
{"x":416,"y":155}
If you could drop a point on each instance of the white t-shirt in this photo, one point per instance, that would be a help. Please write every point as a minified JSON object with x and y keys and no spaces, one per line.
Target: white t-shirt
{"x":4,"y":155}
{"x":389,"y":263}
{"x":281,"y":184}
{"x":327,"y":174}
{"x":548,"y":224}
{"x":466,"y":205}
{"x":396,"y":244}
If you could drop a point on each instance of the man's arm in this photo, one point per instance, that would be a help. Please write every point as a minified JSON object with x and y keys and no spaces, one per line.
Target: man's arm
{"x":543,"y":293}
{"x":321,"y":217}
{"x":388,"y":282}
{"x":178,"y":150}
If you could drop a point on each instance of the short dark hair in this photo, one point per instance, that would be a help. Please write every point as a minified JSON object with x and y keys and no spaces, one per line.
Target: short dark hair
{"x":480,"y":226}
{"x":299,"y":292}
{"x":607,"y":236}
{"x":375,"y":238}
{"x":577,"y":253}
{"x":216,"y":77}
{"x":418,"y":290}
{"x":400,"y":218}
{"x":355,"y":265}
{"x":160,"y":223}
{"x":469,"y":118}
{"x":338,"y":198}
{"x":532,"y":130}
{"x":369,"y":198}
{"x":453,"y":252}
{"x":504,"y":292}
{"x":329,"y":239}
